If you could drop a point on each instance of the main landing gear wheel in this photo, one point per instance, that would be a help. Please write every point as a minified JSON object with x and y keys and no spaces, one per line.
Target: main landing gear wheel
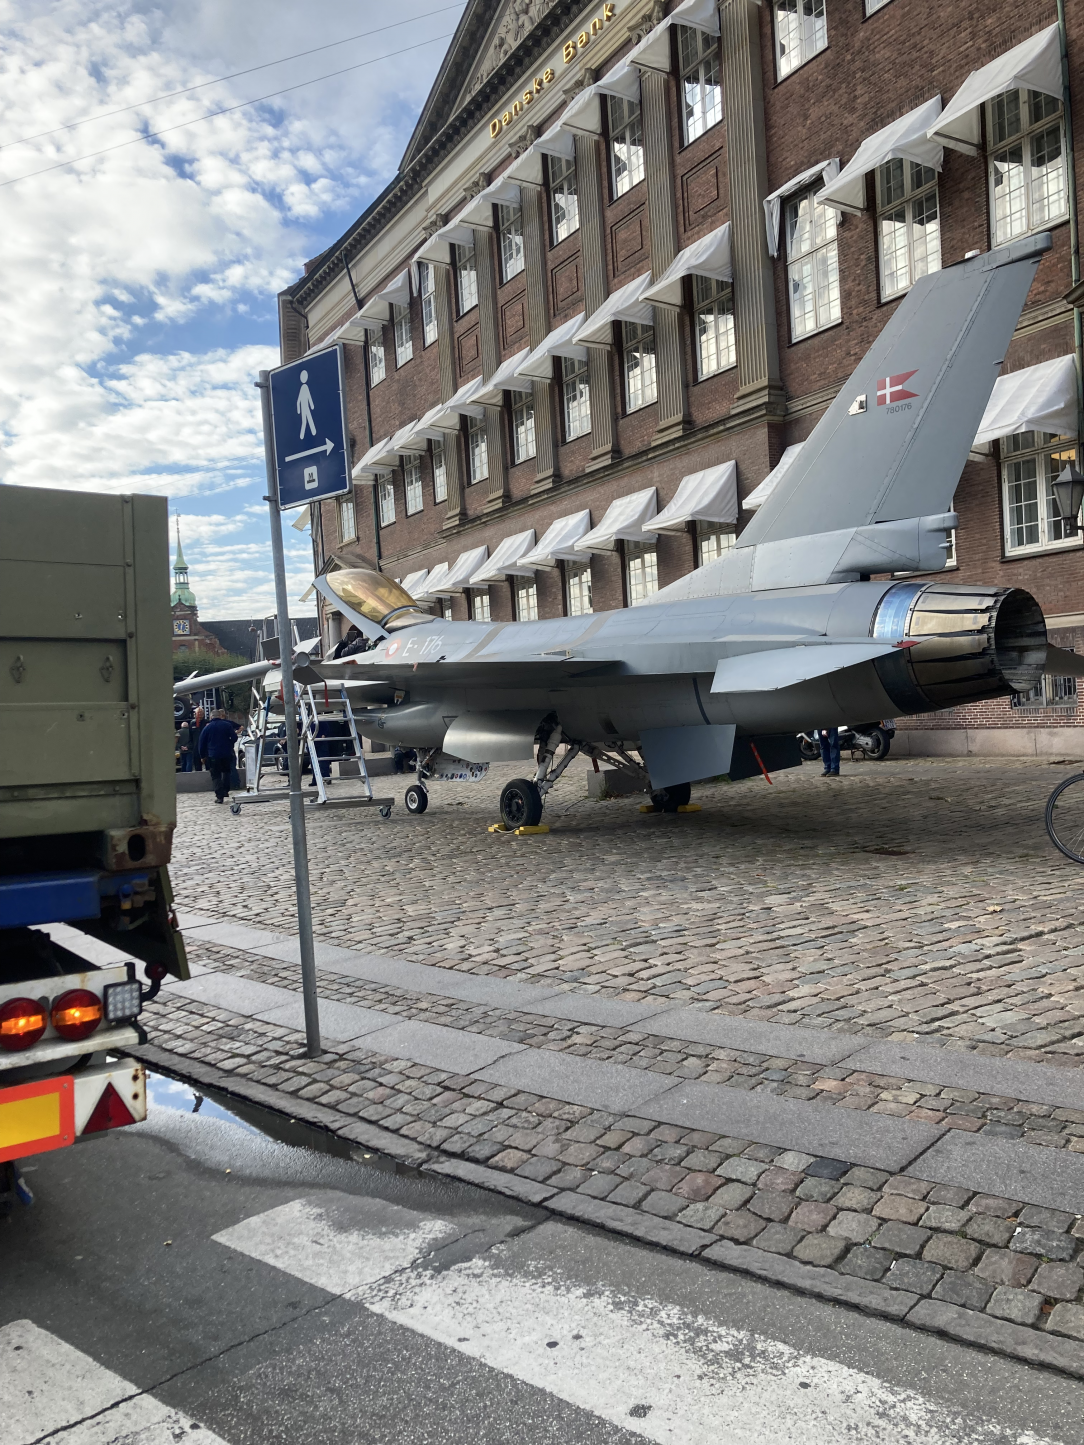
{"x":881,"y":742}
{"x":809,"y":750}
{"x":521,"y":804}
{"x":1065,"y":817}
{"x":416,"y":798}
{"x":669,"y":800}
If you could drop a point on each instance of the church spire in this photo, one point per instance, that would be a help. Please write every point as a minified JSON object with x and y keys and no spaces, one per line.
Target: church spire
{"x":181,"y":590}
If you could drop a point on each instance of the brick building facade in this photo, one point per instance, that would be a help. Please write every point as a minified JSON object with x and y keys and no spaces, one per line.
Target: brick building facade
{"x":633,"y":251}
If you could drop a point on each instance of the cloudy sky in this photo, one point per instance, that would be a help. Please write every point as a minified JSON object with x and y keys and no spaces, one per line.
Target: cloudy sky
{"x":139,"y":285}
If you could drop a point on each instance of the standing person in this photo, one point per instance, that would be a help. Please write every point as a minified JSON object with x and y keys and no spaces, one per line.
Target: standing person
{"x":184,"y":743}
{"x":197,"y":726}
{"x":829,"y":739}
{"x":217,"y":744}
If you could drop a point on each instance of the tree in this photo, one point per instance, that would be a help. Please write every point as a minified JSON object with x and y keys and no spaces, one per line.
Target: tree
{"x":235,"y":695}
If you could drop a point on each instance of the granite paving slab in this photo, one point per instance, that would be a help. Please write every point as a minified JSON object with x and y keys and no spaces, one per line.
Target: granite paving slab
{"x":240,"y":995}
{"x":1054,"y":1180}
{"x":613,"y":1087}
{"x":338,"y":1021}
{"x":1040,"y":1083}
{"x":438,"y":1047}
{"x":789,"y":1041}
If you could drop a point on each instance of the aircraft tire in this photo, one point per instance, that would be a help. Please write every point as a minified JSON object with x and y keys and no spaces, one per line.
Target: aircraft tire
{"x":882,"y":741}
{"x":521,"y":804}
{"x":416,"y":799}
{"x":809,"y":750}
{"x":669,"y":800}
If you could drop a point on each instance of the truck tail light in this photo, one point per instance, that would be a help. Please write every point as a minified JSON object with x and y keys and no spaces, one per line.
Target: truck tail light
{"x":110,"y":1112}
{"x":22,"y":1023}
{"x":77,"y":1013}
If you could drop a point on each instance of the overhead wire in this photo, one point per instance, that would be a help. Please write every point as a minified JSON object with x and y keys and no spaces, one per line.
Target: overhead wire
{"x":234,"y":75}
{"x":225,"y":110}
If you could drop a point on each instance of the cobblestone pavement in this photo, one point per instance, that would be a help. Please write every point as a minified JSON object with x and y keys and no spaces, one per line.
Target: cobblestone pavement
{"x":918,"y":898}
{"x":910,"y":901}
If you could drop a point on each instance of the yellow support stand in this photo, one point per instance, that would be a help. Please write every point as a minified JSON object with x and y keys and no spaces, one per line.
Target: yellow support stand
{"x":523,"y":832}
{"x":496,"y":828}
{"x":649,"y":808}
{"x":689,"y":808}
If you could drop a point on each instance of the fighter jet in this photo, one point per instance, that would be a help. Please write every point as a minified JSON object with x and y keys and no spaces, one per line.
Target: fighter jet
{"x":722,"y":669}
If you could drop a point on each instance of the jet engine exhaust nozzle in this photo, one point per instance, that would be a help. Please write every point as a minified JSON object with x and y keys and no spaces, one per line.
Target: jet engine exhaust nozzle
{"x":969,"y":643}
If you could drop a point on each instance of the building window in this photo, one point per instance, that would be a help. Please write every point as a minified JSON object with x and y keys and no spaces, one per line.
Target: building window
{"x":700,"y":87}
{"x":1049,"y":692}
{"x":801,"y":31}
{"x":578,"y":588}
{"x":412,"y":484}
{"x":385,"y":492}
{"x":712,"y":540}
{"x":466,"y":278}
{"x":638,"y":350}
{"x":510,"y":222}
{"x":874,"y":5}
{"x":523,"y":425}
{"x":427,"y":289}
{"x":440,"y":473}
{"x":348,"y":527}
{"x":564,"y":200}
{"x":376,"y":357}
{"x":526,"y":599}
{"x":714,"y":304}
{"x":1028,"y":178}
{"x":404,"y":341}
{"x":479,"y":606}
{"x":478,"y":447}
{"x":577,"y":398}
{"x":1030,"y":463}
{"x":446,"y":608}
{"x":641,"y":572}
{"x":812,"y":266}
{"x":908,"y":226}
{"x":626,"y":143}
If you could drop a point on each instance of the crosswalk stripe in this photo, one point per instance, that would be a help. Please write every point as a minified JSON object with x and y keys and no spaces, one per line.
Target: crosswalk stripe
{"x":654,"y":1369}
{"x":49,"y":1388}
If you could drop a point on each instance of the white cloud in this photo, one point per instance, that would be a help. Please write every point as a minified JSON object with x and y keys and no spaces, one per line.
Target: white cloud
{"x":138,"y":302}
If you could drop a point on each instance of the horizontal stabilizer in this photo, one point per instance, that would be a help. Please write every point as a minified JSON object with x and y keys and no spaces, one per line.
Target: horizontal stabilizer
{"x":1062,"y":663}
{"x":785,"y":666}
{"x":894,"y":442}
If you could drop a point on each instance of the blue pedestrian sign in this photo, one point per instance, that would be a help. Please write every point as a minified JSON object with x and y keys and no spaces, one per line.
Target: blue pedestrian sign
{"x":308,"y":422}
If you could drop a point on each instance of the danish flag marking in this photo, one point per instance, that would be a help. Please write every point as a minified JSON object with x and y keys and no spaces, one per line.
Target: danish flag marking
{"x":891,"y":389}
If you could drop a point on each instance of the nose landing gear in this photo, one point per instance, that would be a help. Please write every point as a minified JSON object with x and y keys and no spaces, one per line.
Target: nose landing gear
{"x":416,"y":798}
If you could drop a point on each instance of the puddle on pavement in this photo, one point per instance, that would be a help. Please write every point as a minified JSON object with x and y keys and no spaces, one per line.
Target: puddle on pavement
{"x":225,"y":1132}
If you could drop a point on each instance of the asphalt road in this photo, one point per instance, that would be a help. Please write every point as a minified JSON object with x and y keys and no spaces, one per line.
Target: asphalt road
{"x":192,"y":1279}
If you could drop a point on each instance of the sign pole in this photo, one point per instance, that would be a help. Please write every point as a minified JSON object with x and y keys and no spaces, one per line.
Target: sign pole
{"x":293,"y":755}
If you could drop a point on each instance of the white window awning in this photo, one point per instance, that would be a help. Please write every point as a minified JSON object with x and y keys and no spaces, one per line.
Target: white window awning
{"x":505,"y":561}
{"x":479,"y":211}
{"x":584,"y":111}
{"x":539,"y":363}
{"x":358,"y":330}
{"x":504,"y":379}
{"x":414,"y":582}
{"x":905,"y":139}
{"x":624,"y":305}
{"x":1035,"y":64}
{"x":625,"y":521}
{"x":445,"y":417}
{"x":558,"y":543}
{"x":425,"y":429}
{"x":773,"y":204}
{"x":396,"y":293}
{"x":710,"y":256}
{"x":431,"y":589}
{"x":1038,"y":398}
{"x":707,"y":496}
{"x":463,"y":569}
{"x":438,"y":249}
{"x":760,"y":493}
{"x":527,"y":168}
{"x":654,"y":52}
{"x":379,"y":458}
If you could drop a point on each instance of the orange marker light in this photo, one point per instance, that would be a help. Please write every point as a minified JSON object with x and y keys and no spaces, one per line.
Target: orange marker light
{"x":77,"y":1013}
{"x":22,"y":1023}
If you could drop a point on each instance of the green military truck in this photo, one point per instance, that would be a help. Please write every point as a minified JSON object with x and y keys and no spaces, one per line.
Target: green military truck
{"x":87,"y":809}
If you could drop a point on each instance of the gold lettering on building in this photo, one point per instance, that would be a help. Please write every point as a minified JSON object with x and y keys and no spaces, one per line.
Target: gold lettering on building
{"x":569,"y":53}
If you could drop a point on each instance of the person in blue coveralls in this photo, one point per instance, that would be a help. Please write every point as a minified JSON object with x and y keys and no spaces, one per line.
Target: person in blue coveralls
{"x":217,"y":746}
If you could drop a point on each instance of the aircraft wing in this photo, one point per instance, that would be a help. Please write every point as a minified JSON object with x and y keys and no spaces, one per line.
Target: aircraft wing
{"x":894,"y":442}
{"x":525,"y":672}
{"x":1062,"y":663}
{"x":785,"y":666}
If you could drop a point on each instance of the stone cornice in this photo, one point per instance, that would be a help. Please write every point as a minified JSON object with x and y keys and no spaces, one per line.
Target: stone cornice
{"x":411,"y":182}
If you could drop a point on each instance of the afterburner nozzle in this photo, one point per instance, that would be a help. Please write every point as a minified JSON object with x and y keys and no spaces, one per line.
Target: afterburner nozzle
{"x":377,"y":597}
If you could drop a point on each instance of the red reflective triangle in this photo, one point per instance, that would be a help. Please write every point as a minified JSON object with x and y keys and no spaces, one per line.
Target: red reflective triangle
{"x":108,"y":1113}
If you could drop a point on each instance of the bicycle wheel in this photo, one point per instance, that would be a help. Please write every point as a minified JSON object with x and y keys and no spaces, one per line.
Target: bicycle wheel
{"x":1065,"y":817}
